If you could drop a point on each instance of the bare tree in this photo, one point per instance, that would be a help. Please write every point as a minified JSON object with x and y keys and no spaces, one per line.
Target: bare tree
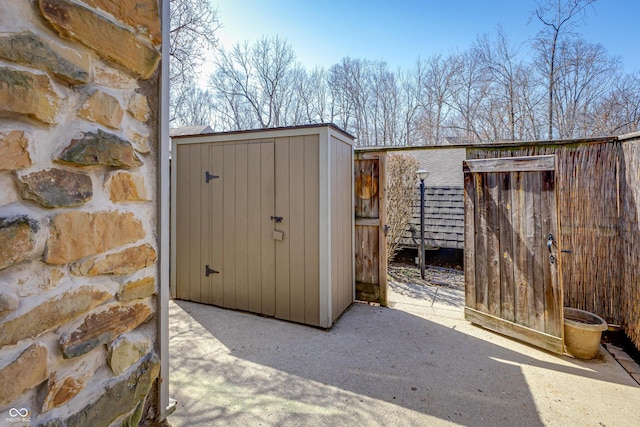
{"x":193,"y":25}
{"x":559,"y":18}
{"x":257,"y":80}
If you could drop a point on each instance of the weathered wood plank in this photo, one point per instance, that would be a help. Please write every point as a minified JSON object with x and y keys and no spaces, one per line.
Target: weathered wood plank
{"x":553,"y":316}
{"x":510,"y":164}
{"x":366,"y":188}
{"x":367,"y":251}
{"x":382,"y":244}
{"x":507,"y":294}
{"x":493,"y":244}
{"x":536,"y":243}
{"x":470,"y":200}
{"x":481,"y":225}
{"x":520,"y":254}
{"x":513,"y":330}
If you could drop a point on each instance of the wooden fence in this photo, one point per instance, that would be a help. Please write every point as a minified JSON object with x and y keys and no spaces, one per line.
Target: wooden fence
{"x":598,"y":200}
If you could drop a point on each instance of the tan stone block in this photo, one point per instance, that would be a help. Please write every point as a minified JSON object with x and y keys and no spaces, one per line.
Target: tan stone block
{"x":124,"y":262}
{"x":137,"y":289}
{"x":139,"y":141}
{"x":103,"y":327}
{"x":22,"y":92}
{"x":16,"y":241}
{"x":140,"y":14}
{"x":102,"y":108}
{"x":123,"y":353}
{"x":127,"y":187}
{"x":110,"y":41}
{"x":139,"y":107}
{"x":60,"y":392}
{"x":51,"y":314}
{"x":110,"y":77}
{"x":75,"y":235}
{"x":27,"y":371}
{"x":13,"y":151}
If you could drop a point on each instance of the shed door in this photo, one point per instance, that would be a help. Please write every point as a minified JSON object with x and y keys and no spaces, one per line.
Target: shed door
{"x":225,"y":232}
{"x":370,"y":219}
{"x":511,"y":249}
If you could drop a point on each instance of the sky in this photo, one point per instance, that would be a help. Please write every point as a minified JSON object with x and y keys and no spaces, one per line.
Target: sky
{"x":321,"y":33}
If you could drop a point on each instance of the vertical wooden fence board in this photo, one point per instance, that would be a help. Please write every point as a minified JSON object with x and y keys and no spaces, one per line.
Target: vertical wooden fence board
{"x":537,"y":243}
{"x":312,"y":230}
{"x":470,"y":201}
{"x":229,"y":203}
{"x":267,"y":201}
{"x":241,"y":228}
{"x":282,"y":210}
{"x":216,"y":160}
{"x":552,"y":295}
{"x":482,"y":276}
{"x":382,"y":235}
{"x":297,"y":229}
{"x":493,"y":245}
{"x":520,"y":254}
{"x":505,"y":210}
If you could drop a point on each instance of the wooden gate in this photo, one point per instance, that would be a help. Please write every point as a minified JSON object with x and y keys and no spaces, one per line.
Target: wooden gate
{"x":512,"y":258}
{"x":370,"y":221}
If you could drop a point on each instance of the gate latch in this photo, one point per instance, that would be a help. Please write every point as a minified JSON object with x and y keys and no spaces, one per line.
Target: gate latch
{"x":550,"y":241}
{"x":276,"y":218}
{"x":208,"y":271}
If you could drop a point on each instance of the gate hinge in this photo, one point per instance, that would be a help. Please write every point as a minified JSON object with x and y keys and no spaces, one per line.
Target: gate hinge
{"x":208,"y":271}
{"x":208,"y":177}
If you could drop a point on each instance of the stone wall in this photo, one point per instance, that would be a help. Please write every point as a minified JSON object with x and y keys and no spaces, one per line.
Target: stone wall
{"x":79,"y":92}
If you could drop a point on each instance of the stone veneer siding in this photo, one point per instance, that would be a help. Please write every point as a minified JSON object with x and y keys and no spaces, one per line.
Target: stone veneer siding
{"x":79,"y":101}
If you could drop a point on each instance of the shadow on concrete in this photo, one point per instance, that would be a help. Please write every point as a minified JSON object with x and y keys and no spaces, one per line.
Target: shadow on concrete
{"x":376,"y":366}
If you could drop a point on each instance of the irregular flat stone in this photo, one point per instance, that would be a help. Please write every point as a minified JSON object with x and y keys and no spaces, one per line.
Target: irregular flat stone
{"x":16,"y":241}
{"x":108,"y":40}
{"x":120,"y":397}
{"x":114,"y":78}
{"x":137,"y":289}
{"x":102,"y":108}
{"x":13,"y":151}
{"x":57,"y":188}
{"x":140,"y":14}
{"x":139,"y":141}
{"x":75,"y":235}
{"x":8,"y":302}
{"x":66,"y":64}
{"x":51,"y":314}
{"x":126,"y":187}
{"x":26,"y":372}
{"x":101,"y":148}
{"x":29,"y":94}
{"x":60,"y":392}
{"x":103,"y":327}
{"x":139,"y":107}
{"x":123,"y":353}
{"x":127,"y":261}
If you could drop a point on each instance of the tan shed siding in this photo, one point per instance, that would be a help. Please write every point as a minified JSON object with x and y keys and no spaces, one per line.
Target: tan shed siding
{"x":268,"y":254}
{"x":341,"y":233}
{"x":312,"y":230}
{"x":282,"y":209}
{"x":297,"y":235}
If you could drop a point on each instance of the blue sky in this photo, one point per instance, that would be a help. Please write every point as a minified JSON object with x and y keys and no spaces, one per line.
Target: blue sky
{"x":399,"y":31}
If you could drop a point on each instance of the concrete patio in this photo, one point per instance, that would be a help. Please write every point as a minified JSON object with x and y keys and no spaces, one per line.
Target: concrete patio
{"x":416,"y":363}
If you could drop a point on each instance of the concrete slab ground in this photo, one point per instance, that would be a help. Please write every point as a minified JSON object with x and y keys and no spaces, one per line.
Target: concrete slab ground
{"x":417,"y":363}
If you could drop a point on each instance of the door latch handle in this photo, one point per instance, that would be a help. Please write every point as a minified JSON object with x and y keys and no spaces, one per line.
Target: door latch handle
{"x":276,"y":218}
{"x":550,"y":242}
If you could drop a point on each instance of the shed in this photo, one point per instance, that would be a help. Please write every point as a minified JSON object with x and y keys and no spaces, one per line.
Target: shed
{"x":262,"y":221}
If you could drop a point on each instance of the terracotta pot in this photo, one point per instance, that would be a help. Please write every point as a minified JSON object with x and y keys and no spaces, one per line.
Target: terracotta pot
{"x":582,"y":333}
